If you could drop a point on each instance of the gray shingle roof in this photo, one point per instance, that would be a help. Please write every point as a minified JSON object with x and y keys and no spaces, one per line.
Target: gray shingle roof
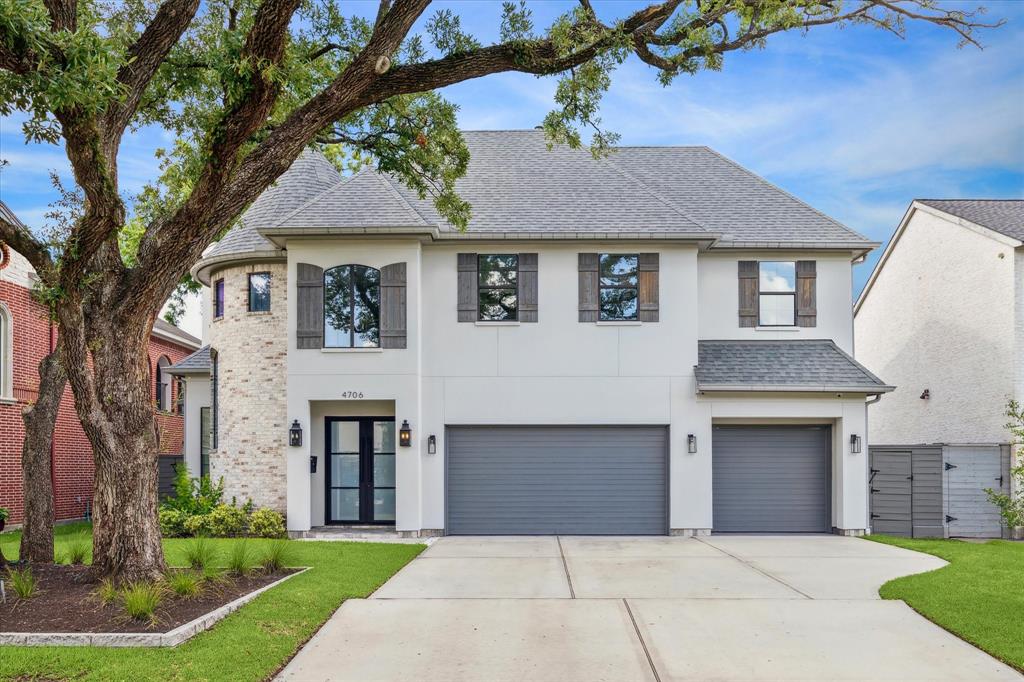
{"x":1005,"y":216}
{"x":798,"y":365}
{"x":197,"y":363}
{"x":309,"y":176}
{"x":161,"y":325}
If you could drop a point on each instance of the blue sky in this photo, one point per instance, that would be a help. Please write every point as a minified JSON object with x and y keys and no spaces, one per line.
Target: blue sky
{"x":854,"y":121}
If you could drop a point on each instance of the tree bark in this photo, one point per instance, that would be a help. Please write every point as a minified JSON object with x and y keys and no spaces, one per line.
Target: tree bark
{"x":36,"y":453}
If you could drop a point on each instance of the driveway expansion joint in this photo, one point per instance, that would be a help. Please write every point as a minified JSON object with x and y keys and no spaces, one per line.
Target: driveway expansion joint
{"x":755,"y":568}
{"x":643,"y":644}
{"x":565,"y":565}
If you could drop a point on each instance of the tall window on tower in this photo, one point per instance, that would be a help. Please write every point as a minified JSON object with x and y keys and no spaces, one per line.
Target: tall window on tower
{"x":352,"y":307}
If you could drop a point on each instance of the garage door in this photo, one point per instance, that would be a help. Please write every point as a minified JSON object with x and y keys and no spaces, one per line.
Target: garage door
{"x":771,"y":479}
{"x":583,"y":480}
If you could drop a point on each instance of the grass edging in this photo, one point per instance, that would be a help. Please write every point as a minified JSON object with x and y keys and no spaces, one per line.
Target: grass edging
{"x":976,"y":596}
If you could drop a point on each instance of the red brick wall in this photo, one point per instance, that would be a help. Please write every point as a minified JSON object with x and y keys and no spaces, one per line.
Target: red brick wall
{"x":72,"y":462}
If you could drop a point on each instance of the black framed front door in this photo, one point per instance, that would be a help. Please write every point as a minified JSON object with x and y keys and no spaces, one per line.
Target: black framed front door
{"x":360,"y":475}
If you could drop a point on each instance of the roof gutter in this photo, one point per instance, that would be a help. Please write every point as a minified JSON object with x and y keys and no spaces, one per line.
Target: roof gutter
{"x":793,"y":388}
{"x":202,"y":270}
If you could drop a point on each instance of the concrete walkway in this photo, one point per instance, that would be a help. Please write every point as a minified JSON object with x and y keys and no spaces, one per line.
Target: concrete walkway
{"x":619,"y":609}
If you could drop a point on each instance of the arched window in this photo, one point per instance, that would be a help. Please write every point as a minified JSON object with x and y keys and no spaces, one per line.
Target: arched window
{"x":352,"y":307}
{"x":6,"y":353}
{"x":163,"y":384}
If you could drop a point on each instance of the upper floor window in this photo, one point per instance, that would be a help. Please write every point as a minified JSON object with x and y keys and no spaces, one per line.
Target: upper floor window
{"x":352,"y":307}
{"x":498,"y":282}
{"x":218,"y":299}
{"x":777,"y":293}
{"x":163,"y":384}
{"x":6,"y":353}
{"x":618,"y":286}
{"x":259,"y":292}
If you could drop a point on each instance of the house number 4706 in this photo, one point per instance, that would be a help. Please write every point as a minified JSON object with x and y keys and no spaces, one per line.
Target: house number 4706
{"x":352,"y":394}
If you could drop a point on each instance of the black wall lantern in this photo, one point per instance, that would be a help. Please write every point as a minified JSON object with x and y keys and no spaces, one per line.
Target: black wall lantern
{"x":855,"y":444}
{"x":691,"y":444}
{"x":431,"y":444}
{"x":405,"y":434}
{"x":295,"y":434}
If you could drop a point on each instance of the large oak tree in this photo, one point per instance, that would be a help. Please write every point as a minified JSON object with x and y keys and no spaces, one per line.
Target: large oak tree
{"x":244,"y":86}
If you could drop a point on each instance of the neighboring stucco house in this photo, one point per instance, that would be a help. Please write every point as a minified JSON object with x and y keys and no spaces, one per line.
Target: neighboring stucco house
{"x":26,"y":337}
{"x":942,"y":317}
{"x":655,"y":342}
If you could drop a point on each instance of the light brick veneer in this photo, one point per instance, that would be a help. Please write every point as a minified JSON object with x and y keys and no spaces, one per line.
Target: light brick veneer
{"x":252,"y":353}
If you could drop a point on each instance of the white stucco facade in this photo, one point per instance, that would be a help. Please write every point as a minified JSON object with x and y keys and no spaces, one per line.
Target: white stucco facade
{"x":557,"y":371}
{"x":944,"y":312}
{"x":197,"y":397}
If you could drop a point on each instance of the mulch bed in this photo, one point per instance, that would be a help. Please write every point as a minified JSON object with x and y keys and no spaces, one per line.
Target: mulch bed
{"x":66,"y":601}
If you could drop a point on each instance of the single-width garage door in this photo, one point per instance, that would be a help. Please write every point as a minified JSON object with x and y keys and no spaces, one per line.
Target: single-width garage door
{"x":537,"y":480}
{"x":771,"y":479}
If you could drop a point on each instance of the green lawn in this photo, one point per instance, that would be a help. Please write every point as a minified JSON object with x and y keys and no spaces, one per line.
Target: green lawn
{"x":979,"y":596}
{"x":250,"y":644}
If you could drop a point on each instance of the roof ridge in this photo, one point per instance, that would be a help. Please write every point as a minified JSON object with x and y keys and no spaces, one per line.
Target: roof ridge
{"x":344,"y":180}
{"x":387,"y":182}
{"x":650,"y":190}
{"x":781,"y":190}
{"x":856,"y":363}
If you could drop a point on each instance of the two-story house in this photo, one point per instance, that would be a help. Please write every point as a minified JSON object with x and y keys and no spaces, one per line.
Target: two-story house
{"x":654,"y":342}
{"x":942,"y":317}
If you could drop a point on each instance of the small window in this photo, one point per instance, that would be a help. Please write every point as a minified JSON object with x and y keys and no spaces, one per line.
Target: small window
{"x":352,"y":307}
{"x":618,"y":286}
{"x":205,"y":440}
{"x":777,"y":294}
{"x":259,"y":292}
{"x":163,"y":384}
{"x":179,"y":395}
{"x":498,"y":290}
{"x":218,"y":299}
{"x":214,"y":397}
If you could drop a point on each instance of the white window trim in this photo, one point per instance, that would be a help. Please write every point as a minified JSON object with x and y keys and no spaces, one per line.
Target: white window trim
{"x":7,"y":351}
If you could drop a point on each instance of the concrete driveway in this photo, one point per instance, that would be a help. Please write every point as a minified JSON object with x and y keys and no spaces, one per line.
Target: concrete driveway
{"x":587,"y":608}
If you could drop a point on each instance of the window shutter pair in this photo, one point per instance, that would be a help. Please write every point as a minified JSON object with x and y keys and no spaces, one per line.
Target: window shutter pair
{"x":309,"y":332}
{"x":468,"y":283}
{"x":647,"y":289}
{"x":806,"y":293}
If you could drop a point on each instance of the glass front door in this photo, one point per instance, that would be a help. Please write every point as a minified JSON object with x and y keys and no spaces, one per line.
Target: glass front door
{"x":360,"y":470}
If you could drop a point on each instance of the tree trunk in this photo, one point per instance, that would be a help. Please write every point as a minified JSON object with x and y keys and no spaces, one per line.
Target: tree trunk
{"x":115,"y":405}
{"x":36,"y":453}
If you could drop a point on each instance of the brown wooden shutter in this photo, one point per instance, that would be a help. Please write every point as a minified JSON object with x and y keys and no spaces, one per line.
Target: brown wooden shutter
{"x":648,"y":267}
{"x":527,"y":287}
{"x":806,"y":293}
{"x":467,"y":285}
{"x":309,"y":306}
{"x":588,"y":287}
{"x":748,"y":293}
{"x":392,"y":306}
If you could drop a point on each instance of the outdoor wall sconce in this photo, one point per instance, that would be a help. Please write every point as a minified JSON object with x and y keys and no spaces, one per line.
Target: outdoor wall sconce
{"x":312,"y":464}
{"x":295,"y":434}
{"x":431,"y":444}
{"x":855,"y":444}
{"x":405,"y":434}
{"x":691,"y":443}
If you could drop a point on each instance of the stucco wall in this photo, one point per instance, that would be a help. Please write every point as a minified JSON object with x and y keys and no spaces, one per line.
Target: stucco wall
{"x":197,"y":392}
{"x":940,"y":316}
{"x":252,"y":419}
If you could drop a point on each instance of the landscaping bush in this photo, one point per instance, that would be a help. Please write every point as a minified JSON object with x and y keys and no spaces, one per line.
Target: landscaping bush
{"x":198,"y":526}
{"x":172,"y":522}
{"x":185,"y":584}
{"x":226,"y":521}
{"x":266,"y":523}
{"x":194,"y":495}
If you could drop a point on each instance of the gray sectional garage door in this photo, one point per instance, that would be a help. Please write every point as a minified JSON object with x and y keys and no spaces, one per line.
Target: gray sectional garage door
{"x":537,"y":480}
{"x":771,"y":479}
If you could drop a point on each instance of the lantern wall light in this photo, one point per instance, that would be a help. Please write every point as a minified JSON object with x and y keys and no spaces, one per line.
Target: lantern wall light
{"x":405,"y":434}
{"x":691,"y":444}
{"x":295,"y":434}
{"x":855,"y":444}
{"x":431,"y":444}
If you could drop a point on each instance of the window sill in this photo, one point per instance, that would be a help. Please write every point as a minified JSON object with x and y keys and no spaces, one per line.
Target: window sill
{"x":777,"y":329}
{"x":497,"y":323}
{"x":218,"y":319}
{"x":257,"y":312}
{"x":7,"y":400}
{"x":351,"y":350}
{"x":618,"y":323}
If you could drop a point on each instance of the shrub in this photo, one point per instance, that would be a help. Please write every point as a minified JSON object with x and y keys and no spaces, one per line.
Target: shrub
{"x":79,"y":550}
{"x":23,"y":582}
{"x":106,"y":592}
{"x":4,"y":514}
{"x":276,"y":557}
{"x":241,"y":560}
{"x":185,"y":584}
{"x":194,"y":495}
{"x":226,"y":521}
{"x":141,"y":600}
{"x":200,"y":554}
{"x":266,"y":523}
{"x":172,"y":522}
{"x":198,"y":525}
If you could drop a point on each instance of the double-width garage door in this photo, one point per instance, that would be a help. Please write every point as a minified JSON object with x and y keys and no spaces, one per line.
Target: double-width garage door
{"x":771,"y":479}
{"x":573,"y":480}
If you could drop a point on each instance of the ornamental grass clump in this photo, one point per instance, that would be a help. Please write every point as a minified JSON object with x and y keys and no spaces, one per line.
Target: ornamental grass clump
{"x":23,"y":582}
{"x":185,"y":584}
{"x":200,"y":554}
{"x":241,"y":558}
{"x":79,"y":551}
{"x":141,"y":600}
{"x":107,"y":592}
{"x":277,"y":556}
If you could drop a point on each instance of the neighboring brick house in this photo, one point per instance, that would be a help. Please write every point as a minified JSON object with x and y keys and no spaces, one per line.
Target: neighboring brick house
{"x":26,"y":336}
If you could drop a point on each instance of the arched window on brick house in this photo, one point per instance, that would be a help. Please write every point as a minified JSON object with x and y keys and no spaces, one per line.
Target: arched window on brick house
{"x":6,"y":353}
